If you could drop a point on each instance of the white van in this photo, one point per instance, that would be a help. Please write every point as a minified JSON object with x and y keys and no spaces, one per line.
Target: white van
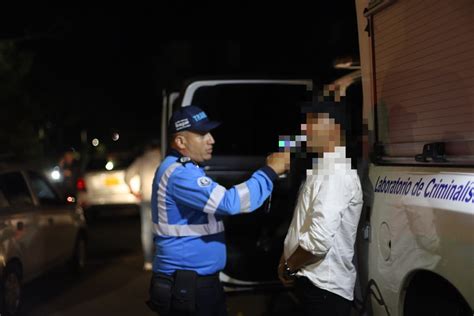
{"x":416,"y":245}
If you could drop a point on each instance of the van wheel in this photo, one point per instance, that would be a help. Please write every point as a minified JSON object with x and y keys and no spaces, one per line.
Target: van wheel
{"x":429,"y":294}
{"x":11,"y":290}
{"x":78,"y":260}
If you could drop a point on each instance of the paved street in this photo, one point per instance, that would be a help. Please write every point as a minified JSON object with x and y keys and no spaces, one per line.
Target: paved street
{"x":113,"y":282}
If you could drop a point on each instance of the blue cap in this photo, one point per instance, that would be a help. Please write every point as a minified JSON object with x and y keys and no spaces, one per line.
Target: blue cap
{"x":191,"y":118}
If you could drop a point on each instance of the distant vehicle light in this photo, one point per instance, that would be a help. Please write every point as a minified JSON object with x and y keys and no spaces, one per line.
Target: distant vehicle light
{"x":55,"y":175}
{"x":109,"y":166}
{"x":115,"y":137}
{"x":95,"y":142}
{"x":81,"y":184}
{"x":71,"y":199}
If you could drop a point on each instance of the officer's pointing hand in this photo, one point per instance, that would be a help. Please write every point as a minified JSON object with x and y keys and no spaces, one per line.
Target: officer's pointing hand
{"x":279,"y":162}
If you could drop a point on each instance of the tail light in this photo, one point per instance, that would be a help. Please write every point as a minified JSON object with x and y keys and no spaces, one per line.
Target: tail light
{"x":81,"y":184}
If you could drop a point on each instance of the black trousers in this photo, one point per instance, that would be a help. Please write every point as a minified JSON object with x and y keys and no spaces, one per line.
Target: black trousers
{"x":209,"y":296}
{"x":318,"y":302}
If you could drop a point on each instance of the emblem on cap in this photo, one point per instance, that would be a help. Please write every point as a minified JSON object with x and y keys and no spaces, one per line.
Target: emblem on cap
{"x":182,"y":124}
{"x":204,"y":181}
{"x":200,"y":116}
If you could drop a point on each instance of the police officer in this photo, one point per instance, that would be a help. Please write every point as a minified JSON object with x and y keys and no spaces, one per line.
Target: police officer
{"x":187,"y":210}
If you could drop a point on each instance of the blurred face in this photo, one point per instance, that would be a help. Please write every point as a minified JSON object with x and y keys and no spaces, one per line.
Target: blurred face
{"x":322,"y":133}
{"x":196,"y":146}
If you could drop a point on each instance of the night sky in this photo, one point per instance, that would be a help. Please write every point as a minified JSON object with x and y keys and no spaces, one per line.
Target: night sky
{"x":104,"y":69}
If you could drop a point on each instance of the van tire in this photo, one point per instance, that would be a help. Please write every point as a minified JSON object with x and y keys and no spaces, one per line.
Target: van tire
{"x":11,"y":290}
{"x":429,"y":294}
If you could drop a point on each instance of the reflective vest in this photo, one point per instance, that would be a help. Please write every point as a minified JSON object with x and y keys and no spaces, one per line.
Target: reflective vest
{"x":186,"y":210}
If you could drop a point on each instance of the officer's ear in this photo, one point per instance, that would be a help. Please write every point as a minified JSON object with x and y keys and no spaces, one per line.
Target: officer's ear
{"x":180,"y":141}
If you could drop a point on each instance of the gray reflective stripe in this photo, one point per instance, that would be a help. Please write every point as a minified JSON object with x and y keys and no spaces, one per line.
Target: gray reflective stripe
{"x":188,"y":230}
{"x":244,"y":196}
{"x":162,"y":214}
{"x":212,"y":222}
{"x":214,"y":199}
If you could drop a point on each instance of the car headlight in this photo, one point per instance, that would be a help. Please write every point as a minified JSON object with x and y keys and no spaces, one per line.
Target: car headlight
{"x":55,"y":174}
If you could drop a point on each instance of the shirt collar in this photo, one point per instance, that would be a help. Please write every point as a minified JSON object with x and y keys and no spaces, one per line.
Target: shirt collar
{"x":339,"y":152}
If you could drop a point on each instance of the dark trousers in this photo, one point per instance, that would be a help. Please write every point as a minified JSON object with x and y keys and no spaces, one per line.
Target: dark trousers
{"x":209,"y":296}
{"x":318,"y":302}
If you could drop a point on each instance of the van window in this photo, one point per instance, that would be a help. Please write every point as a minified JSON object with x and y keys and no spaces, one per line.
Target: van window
{"x":252,"y":116}
{"x":424,"y":87}
{"x":14,"y":187}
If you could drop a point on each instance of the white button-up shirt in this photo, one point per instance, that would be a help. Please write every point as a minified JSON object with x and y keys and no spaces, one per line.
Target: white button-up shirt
{"x":325,"y":223}
{"x":144,"y":167}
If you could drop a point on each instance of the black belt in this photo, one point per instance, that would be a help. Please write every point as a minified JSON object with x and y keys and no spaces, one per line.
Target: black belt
{"x":201,"y":280}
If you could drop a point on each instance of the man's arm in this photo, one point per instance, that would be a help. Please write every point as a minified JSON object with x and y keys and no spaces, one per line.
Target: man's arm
{"x":301,"y":258}
{"x":325,"y":214}
{"x":190,"y":187}
{"x":193,"y":189}
{"x":132,"y":171}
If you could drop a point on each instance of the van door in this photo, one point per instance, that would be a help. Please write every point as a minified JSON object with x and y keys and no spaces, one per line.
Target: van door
{"x":253,"y":114}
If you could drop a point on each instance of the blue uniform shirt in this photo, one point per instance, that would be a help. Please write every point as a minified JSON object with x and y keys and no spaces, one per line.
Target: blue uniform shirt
{"x":187,"y":207}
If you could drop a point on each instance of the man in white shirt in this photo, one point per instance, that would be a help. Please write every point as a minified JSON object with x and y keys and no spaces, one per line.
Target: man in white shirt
{"x":144,"y":168}
{"x":319,"y":245}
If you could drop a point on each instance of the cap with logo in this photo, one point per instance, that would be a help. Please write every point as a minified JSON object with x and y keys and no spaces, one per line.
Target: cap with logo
{"x":191,"y":118}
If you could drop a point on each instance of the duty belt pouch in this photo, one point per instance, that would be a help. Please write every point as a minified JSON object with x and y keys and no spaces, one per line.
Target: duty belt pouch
{"x":184,"y":291}
{"x":160,"y":294}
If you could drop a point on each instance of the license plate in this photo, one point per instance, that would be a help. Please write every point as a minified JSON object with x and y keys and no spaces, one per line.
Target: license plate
{"x":111,"y":181}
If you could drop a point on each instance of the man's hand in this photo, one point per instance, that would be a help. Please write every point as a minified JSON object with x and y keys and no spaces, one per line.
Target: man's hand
{"x":282,"y":275}
{"x":279,"y":162}
{"x":138,"y":195}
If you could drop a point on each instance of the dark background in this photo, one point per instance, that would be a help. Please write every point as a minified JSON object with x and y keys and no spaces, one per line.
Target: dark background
{"x":64,"y":71}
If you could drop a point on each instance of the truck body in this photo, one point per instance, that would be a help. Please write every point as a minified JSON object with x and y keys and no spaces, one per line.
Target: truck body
{"x":416,"y":238}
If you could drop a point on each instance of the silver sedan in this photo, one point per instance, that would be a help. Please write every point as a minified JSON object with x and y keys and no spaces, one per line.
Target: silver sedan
{"x":39,"y":230}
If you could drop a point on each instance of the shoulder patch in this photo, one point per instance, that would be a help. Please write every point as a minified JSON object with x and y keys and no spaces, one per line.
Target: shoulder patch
{"x":184,"y":160}
{"x":204,"y":181}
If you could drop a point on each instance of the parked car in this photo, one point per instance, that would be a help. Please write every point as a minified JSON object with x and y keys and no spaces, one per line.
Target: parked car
{"x":39,"y":230}
{"x":103,"y":185}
